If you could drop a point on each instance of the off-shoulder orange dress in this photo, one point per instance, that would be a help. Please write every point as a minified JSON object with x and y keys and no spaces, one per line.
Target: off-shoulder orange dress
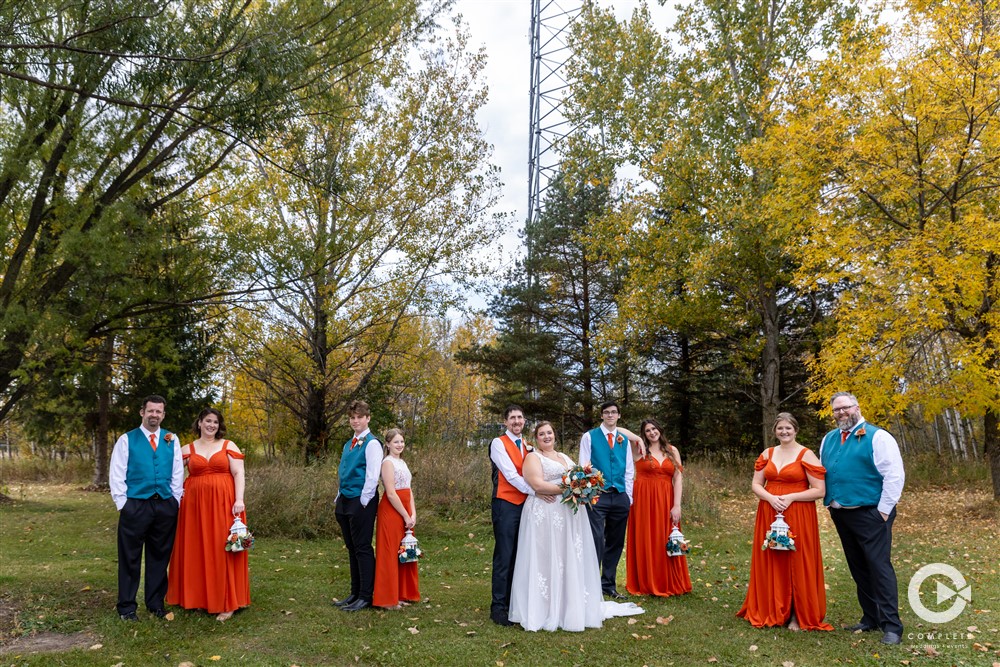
{"x":203,"y":575}
{"x":648,"y":568}
{"x":785,"y":581}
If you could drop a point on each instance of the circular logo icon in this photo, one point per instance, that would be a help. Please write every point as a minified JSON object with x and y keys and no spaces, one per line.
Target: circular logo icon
{"x":959,"y":590}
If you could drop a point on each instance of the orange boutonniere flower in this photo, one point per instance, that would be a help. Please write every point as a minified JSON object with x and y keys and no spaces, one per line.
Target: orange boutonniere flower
{"x":169,"y":437}
{"x":860,"y":432}
{"x":619,"y":439}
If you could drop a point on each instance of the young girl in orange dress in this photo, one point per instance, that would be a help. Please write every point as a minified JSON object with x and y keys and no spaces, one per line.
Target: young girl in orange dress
{"x":656,"y":509}
{"x":203,"y":575}
{"x":787,"y":587}
{"x":395,"y":583}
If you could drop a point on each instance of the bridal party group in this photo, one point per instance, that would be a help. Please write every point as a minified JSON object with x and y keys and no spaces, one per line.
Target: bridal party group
{"x":555,"y":563}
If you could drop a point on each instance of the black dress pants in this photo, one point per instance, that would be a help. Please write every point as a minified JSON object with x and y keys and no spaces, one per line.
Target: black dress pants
{"x":506,"y":523}
{"x":148,"y":524}
{"x":608,"y":521}
{"x":357,"y":523}
{"x":867,"y":542}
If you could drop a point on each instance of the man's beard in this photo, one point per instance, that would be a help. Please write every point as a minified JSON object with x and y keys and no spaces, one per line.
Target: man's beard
{"x":848,"y":422}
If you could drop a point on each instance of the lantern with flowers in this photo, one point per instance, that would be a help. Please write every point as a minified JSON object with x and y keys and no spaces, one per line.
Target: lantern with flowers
{"x":240,"y":537}
{"x":780,"y":536}
{"x":676,"y":544}
{"x":409,"y":549}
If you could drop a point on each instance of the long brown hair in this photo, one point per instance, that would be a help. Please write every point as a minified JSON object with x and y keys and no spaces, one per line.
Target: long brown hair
{"x":662,"y":442}
{"x":390,"y":435}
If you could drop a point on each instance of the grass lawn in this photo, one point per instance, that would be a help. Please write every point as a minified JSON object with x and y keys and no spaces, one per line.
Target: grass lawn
{"x":58,"y":573}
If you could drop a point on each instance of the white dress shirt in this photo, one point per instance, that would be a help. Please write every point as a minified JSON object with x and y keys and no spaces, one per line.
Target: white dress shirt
{"x":585,"y":447}
{"x":889,"y":463}
{"x":373,"y":467}
{"x":119,"y":468}
{"x":500,"y":458}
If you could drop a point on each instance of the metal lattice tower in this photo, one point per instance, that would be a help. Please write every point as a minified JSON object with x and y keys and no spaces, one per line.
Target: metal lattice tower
{"x":550,"y":24}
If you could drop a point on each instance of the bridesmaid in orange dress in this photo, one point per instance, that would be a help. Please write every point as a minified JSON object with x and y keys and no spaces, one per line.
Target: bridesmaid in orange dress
{"x":787,"y":587}
{"x":396,"y":583}
{"x":656,"y":509}
{"x":203,"y":575}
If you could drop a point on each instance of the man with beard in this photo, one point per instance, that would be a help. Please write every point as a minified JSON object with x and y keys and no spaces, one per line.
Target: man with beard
{"x":864,"y":479}
{"x":147,"y":482}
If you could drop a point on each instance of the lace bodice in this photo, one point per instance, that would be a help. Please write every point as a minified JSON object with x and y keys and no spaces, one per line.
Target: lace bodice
{"x":400,"y":473}
{"x":552,"y":471}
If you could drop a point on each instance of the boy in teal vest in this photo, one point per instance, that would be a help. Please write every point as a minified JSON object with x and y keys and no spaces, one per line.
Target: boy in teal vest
{"x":147,"y":482}
{"x":609,"y":451}
{"x":864,"y":480}
{"x":357,"y":505}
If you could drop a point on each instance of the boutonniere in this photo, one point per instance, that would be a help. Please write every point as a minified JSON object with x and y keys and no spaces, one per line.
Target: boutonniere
{"x":860,"y":432}
{"x":620,"y":439}
{"x":169,"y":437}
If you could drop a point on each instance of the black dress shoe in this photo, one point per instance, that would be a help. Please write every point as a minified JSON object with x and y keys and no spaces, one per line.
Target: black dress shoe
{"x":357,"y":605}
{"x":615,"y":595}
{"x":859,"y":627}
{"x":891,"y":638}
{"x":350,"y":599}
{"x":501,"y":619}
{"x":129,"y":616}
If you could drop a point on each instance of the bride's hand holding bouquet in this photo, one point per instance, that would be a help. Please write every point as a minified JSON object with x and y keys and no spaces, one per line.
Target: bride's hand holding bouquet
{"x":582,"y":485}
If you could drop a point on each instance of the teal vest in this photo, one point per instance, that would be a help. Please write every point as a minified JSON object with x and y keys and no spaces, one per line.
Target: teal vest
{"x":609,"y":461}
{"x":351,"y":472}
{"x":149,"y":472}
{"x":851,"y":476}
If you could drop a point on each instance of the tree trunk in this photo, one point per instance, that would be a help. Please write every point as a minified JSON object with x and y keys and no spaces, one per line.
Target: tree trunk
{"x":770,"y":376}
{"x":684,"y":394}
{"x":103,"y":427}
{"x":991,"y":447}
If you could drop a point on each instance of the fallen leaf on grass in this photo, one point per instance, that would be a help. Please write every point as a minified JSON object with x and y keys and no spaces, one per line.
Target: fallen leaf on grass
{"x":788,"y":663}
{"x":753,"y":647}
{"x":470,"y":633}
{"x":664,"y":620}
{"x":85,"y":589}
{"x":96,"y":647}
{"x":216,"y":657}
{"x":413,"y":631}
{"x":632,"y":621}
{"x":931,"y":651}
{"x":186,"y":663}
{"x":713,"y":659}
{"x":169,"y":616}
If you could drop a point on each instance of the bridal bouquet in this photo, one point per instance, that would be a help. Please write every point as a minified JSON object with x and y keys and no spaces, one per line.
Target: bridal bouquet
{"x":582,"y":485}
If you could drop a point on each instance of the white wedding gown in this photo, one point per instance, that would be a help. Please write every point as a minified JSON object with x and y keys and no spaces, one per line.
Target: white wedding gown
{"x":557,"y":580}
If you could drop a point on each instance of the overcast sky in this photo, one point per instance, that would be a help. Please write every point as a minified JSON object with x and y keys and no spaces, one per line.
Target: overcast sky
{"x":502,"y":27}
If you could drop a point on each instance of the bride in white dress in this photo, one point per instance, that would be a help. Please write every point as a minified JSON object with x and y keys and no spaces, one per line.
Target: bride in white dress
{"x":557,"y":580}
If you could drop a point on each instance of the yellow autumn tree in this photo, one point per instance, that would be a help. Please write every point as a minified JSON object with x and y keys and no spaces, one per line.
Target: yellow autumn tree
{"x":897,"y":152}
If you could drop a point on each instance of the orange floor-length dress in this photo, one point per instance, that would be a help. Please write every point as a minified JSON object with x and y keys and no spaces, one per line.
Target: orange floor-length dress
{"x":785,"y":581}
{"x":648,"y":568}
{"x":394,"y":581}
{"x":203,"y":575}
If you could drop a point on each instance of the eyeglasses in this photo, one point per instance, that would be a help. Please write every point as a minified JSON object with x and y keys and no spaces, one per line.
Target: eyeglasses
{"x":609,"y":412}
{"x":846,"y":408}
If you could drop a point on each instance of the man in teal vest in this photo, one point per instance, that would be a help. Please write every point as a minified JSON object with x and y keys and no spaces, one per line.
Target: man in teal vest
{"x":147,"y":482}
{"x":609,"y":451}
{"x":357,"y":505}
{"x":864,"y":480}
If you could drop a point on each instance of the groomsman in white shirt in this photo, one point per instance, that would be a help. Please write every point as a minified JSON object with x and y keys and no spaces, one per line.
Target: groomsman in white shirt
{"x":507,"y":454}
{"x":147,"y":481}
{"x":609,"y":451}
{"x":864,"y":480}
